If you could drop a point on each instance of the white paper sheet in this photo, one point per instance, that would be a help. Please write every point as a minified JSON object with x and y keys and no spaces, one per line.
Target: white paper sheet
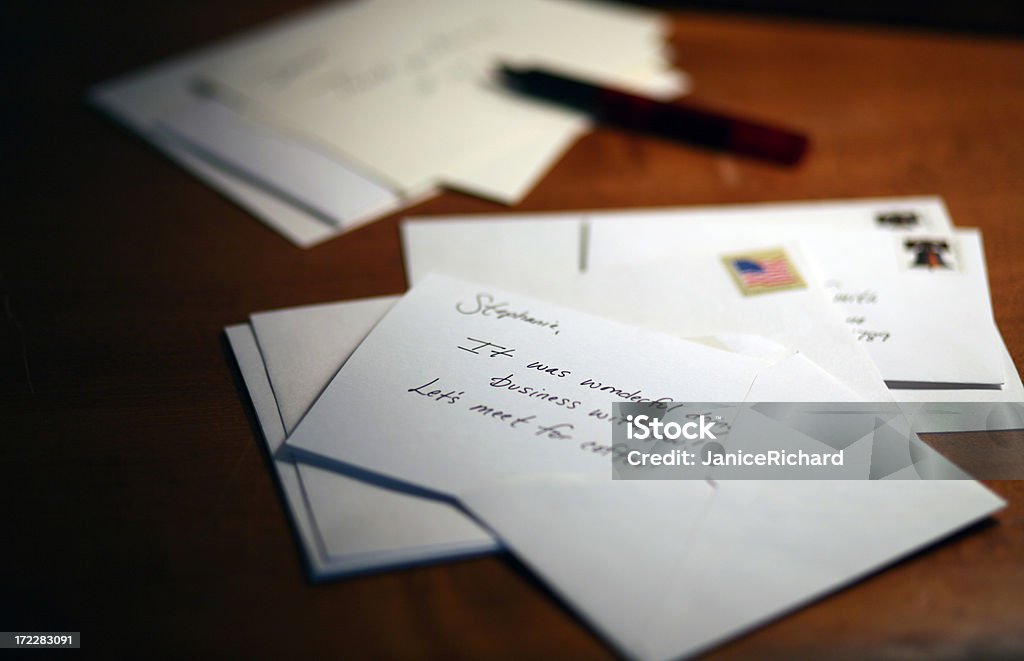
{"x":242,"y":159}
{"x":404,"y":89}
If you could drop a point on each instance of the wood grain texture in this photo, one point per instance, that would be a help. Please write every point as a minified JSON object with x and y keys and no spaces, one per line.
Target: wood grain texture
{"x":139,"y":508}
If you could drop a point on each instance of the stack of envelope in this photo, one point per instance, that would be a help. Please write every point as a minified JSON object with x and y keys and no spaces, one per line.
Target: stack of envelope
{"x":474,"y":412}
{"x":354,"y":110}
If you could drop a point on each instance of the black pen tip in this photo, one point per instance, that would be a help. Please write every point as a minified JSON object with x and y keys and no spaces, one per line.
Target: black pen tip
{"x":509,"y":75}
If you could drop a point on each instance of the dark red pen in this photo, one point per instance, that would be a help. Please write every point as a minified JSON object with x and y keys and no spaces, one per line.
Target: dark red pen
{"x":679,"y":120}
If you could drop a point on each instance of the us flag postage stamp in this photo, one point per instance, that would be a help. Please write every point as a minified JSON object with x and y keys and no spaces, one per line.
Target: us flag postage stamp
{"x":763,"y":271}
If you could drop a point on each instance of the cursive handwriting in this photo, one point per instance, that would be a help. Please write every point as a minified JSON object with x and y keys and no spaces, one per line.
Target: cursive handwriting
{"x":484,"y":305}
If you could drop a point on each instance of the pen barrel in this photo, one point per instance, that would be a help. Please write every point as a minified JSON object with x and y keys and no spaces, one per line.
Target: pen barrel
{"x":691,"y":123}
{"x":678,"y":120}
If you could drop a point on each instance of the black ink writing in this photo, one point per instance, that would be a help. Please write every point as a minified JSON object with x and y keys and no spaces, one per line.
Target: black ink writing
{"x":507,"y":383}
{"x":596,"y":448}
{"x":503,"y":416}
{"x":635,"y":396}
{"x":484,"y":305}
{"x":865,"y":297}
{"x":555,"y":432}
{"x":494,"y":349}
{"x":560,"y":373}
{"x":438,"y":393}
{"x":872,"y":336}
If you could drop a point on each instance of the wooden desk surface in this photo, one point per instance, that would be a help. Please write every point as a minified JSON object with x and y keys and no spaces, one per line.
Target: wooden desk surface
{"x":139,"y":506}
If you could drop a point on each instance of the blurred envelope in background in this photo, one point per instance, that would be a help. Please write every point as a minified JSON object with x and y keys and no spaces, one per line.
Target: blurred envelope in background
{"x":405,"y":90}
{"x":310,"y":192}
{"x":144,"y":100}
{"x":298,"y":173}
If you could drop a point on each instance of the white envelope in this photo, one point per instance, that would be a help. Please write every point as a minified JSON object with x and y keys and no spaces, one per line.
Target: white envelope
{"x":758,"y":550}
{"x":714,"y":562}
{"x":562,"y":240}
{"x":344,"y":524}
{"x":141,"y":100}
{"x":890,"y":305}
{"x":946,"y":409}
{"x":325,"y":187}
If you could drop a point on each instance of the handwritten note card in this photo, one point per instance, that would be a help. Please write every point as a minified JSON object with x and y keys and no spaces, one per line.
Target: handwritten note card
{"x":502,"y":401}
{"x":461,"y":385}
